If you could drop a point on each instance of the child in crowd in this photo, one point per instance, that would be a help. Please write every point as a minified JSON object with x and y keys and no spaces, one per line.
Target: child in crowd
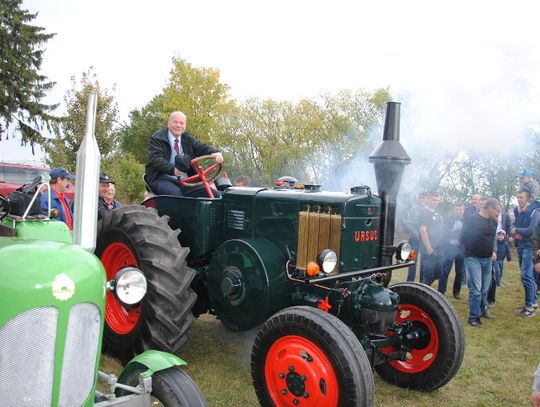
{"x":503,"y":252}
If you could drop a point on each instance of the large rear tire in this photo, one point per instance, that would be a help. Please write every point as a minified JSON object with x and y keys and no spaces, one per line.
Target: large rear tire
{"x":304,"y":356}
{"x":435,"y":360}
{"x":136,"y":236}
{"x":172,"y":387}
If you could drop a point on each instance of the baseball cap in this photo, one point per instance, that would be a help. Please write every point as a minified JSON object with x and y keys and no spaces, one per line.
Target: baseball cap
{"x":105,"y":178}
{"x":61,"y":172}
{"x":525,"y":173}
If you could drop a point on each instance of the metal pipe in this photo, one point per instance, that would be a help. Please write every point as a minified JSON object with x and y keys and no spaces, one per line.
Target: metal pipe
{"x":389,"y":160}
{"x":87,"y":183}
{"x":357,"y":273}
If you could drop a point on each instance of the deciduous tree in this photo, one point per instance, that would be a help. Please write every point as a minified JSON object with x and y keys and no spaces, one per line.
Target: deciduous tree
{"x":62,"y":150}
{"x":195,"y":91}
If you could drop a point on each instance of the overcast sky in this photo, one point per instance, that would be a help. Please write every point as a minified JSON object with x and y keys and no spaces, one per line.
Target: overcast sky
{"x":466,"y":72}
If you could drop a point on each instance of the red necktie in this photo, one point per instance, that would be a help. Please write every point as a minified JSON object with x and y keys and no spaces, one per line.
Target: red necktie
{"x":176,"y":148}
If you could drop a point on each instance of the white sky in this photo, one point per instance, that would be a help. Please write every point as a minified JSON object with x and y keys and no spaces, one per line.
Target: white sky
{"x":466,"y":72}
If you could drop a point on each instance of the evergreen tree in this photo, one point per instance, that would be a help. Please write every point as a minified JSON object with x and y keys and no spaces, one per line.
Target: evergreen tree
{"x":21,"y":85}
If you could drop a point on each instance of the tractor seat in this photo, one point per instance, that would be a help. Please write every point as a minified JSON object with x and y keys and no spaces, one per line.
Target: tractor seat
{"x":148,"y":193}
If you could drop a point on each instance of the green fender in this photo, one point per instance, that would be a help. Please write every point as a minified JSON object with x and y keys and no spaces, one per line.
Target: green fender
{"x":151,"y":360}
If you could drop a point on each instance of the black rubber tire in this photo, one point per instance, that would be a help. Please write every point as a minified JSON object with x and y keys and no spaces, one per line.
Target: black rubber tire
{"x":5,"y":206}
{"x":332,"y":337}
{"x":165,"y":314}
{"x":172,"y":387}
{"x":450,"y":335}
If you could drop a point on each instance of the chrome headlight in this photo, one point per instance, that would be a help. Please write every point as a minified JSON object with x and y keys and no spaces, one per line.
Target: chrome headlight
{"x":129,"y":285}
{"x":327,"y":260}
{"x":403,"y":250}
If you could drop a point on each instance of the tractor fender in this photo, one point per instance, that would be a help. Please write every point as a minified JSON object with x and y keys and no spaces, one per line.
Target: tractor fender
{"x":247,"y":282}
{"x":153,"y":361}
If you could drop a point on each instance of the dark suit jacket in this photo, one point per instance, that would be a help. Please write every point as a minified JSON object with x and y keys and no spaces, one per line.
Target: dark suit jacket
{"x":159,"y":152}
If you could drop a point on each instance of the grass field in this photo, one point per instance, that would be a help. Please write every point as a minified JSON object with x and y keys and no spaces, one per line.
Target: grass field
{"x":497,"y":370}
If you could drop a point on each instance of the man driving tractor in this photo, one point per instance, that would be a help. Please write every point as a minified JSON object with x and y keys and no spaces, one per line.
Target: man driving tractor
{"x":170,"y":152}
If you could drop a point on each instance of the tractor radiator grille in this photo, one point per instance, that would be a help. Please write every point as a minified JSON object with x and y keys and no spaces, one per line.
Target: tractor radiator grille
{"x":236,"y":219}
{"x":27,"y":346}
{"x":316,"y":231}
{"x":82,"y":341}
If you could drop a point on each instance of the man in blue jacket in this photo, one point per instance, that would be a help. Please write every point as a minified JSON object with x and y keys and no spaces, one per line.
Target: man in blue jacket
{"x":522,"y":232}
{"x":61,"y":207}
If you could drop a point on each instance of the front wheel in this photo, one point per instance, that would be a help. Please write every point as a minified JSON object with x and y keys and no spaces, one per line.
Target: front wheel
{"x":135,"y":236}
{"x":171,"y":387}
{"x":304,"y":356}
{"x":435,"y":359}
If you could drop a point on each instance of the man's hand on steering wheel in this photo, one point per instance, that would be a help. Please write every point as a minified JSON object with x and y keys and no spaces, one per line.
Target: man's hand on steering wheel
{"x":218,"y":157}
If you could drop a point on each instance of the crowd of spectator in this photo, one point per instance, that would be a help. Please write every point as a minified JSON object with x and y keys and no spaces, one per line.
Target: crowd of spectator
{"x":474,"y":241}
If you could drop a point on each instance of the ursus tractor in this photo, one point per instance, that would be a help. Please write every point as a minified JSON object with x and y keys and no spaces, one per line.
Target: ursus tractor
{"x":310,"y":268}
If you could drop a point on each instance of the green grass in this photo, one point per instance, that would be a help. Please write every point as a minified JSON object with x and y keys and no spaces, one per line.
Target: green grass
{"x":496,"y":371}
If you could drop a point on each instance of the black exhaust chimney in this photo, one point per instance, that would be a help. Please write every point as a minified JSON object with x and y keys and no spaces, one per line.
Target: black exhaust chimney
{"x":389,"y":160}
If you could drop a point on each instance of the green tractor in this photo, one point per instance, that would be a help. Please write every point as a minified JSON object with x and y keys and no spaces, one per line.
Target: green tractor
{"x":52,"y":310}
{"x":310,"y":268}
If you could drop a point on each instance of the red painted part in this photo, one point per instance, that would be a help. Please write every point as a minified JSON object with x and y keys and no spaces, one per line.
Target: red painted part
{"x":201,"y":176}
{"x":324,"y":305}
{"x":116,"y":256}
{"x":150,"y":202}
{"x":296,"y":351}
{"x":418,"y":360}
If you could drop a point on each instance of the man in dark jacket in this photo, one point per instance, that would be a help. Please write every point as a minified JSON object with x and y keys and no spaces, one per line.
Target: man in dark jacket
{"x":107,"y":191}
{"x":474,"y":206}
{"x":453,"y":253}
{"x":170,"y":152}
{"x":412,"y":227}
{"x":431,"y":233}
{"x":522,"y":232}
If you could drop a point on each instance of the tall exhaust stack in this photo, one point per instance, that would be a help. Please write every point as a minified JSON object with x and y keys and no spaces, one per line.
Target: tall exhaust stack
{"x":87,"y":183}
{"x":389,"y":160}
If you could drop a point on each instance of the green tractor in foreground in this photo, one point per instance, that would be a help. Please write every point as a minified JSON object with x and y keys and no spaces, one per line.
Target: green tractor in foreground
{"x":310,"y":268}
{"x":52,"y":301}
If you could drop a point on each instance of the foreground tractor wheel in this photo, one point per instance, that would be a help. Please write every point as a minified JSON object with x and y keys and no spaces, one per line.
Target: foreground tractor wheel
{"x":304,"y":356}
{"x":170,"y":387}
{"x":435,"y":360}
{"x":136,"y":236}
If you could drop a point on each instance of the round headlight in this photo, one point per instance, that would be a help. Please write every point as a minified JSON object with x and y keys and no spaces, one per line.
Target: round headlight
{"x":130,"y":285}
{"x":327,"y":260}
{"x":403,"y":250}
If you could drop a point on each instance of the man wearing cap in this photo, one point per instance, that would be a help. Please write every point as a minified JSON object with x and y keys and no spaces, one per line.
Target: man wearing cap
{"x":170,"y":152}
{"x":526,"y":181}
{"x":61,"y":208}
{"x":107,"y":191}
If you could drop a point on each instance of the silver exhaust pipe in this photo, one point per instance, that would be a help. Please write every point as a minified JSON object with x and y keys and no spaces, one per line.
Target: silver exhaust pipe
{"x":87,"y":183}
